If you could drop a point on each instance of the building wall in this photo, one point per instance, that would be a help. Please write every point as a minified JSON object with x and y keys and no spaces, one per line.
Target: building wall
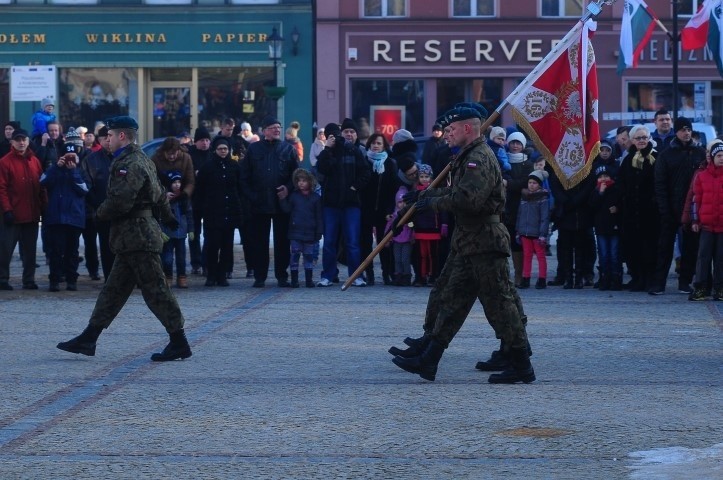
{"x":471,"y":56}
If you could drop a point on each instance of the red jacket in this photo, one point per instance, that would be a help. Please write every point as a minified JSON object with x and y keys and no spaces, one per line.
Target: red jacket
{"x":20,"y":190}
{"x":708,"y":196}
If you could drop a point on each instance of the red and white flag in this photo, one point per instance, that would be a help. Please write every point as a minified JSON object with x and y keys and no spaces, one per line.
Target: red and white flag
{"x":695,"y":33}
{"x":559,"y":110}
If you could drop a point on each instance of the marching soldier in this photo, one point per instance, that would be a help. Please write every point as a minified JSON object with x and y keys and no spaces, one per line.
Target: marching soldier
{"x":134,"y":193}
{"x":477,"y":266}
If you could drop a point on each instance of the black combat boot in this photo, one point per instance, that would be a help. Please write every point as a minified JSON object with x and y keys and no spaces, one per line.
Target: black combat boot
{"x":413,"y":350}
{"x":83,"y":343}
{"x":177,"y":348}
{"x":294,"y":279}
{"x":520,"y":369}
{"x":424,"y":365}
{"x":498,"y":361}
{"x":309,"y":273}
{"x":415,"y":341}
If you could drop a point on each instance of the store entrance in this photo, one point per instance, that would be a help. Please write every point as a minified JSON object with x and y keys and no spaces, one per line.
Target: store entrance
{"x":171,"y":107}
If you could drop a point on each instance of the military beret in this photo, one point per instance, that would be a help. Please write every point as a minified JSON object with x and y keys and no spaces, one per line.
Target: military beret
{"x":121,"y":122}
{"x":474,"y":106}
{"x":460,"y":113}
{"x":442,"y":122}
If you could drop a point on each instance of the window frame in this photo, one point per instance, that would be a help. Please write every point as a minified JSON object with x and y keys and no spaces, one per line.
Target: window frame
{"x":695,"y":5}
{"x":473,"y":10}
{"x":385,"y":7}
{"x":561,"y":5}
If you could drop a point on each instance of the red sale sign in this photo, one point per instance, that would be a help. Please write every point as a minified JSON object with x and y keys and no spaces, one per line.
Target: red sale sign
{"x":387,"y":119}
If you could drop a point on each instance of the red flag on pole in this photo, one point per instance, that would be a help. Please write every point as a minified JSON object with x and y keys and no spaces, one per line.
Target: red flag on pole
{"x":559,"y":111}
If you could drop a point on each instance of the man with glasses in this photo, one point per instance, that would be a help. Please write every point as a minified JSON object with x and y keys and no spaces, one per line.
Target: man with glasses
{"x":266,"y":173}
{"x":664,"y":132}
{"x":674,"y":170}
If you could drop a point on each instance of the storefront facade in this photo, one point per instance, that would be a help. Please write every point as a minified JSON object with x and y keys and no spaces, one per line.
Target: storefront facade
{"x":173,"y":67}
{"x":404,"y":69}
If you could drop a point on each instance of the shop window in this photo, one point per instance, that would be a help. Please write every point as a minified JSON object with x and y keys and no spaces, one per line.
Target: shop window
{"x":487,"y":91}
{"x":236,"y":93}
{"x":384,"y":8}
{"x":473,"y":8}
{"x":562,"y":8}
{"x":650,"y":97}
{"x":688,"y":7}
{"x":369,"y":96}
{"x":89,"y":95}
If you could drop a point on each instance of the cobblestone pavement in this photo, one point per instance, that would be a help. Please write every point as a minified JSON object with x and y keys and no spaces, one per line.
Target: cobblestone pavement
{"x":288,"y":383}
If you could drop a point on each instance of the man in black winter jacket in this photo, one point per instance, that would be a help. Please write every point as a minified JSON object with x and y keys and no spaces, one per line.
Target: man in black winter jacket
{"x":266,"y":174}
{"x":346,"y":172}
{"x":674,"y":171}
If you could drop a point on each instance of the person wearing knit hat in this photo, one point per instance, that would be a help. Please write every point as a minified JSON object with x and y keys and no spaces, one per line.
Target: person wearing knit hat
{"x":498,"y":135}
{"x":604,"y":204}
{"x":674,"y":170}
{"x":346,"y":173}
{"x":517,"y":137}
{"x":606,"y":159}
{"x":436,"y":152}
{"x":201,"y":133}
{"x":73,"y":136}
{"x":347,"y":124}
{"x":5,"y":143}
{"x":43,"y":116}
{"x":269,"y":121}
{"x":532,"y":228}
{"x":477,"y":265}
{"x":247,"y":133}
{"x":401,"y":135}
{"x":350,"y":132}
{"x":496,"y":141}
{"x":174,"y":247}
{"x":332,"y":130}
{"x":707,"y":185}
{"x":266,"y":178}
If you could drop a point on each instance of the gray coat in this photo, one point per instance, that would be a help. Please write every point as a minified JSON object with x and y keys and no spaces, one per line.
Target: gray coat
{"x":533,"y":216}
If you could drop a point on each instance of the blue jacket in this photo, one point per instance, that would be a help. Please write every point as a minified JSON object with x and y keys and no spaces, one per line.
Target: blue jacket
{"x":40,"y":122}
{"x":67,"y":189}
{"x":181,"y":209}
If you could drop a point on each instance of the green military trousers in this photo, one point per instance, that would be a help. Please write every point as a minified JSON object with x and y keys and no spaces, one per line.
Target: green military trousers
{"x":145,"y":270}
{"x":465,"y":279}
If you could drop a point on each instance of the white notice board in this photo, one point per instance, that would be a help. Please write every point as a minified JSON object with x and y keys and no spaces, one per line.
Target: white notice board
{"x":33,"y":83}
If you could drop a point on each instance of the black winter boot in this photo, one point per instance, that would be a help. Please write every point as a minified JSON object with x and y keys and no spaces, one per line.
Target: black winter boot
{"x":579,"y":282}
{"x":604,"y":282}
{"x":178,"y":348}
{"x":519,"y":371}
{"x":541,"y":283}
{"x":83,"y":343}
{"x":406,"y":280}
{"x":294,"y":279}
{"x":568,"y":283}
{"x":616,"y":283}
{"x":424,"y":365}
{"x":525,"y":283}
{"x":309,"y":273}
{"x":497,"y":361}
{"x":413,"y":350}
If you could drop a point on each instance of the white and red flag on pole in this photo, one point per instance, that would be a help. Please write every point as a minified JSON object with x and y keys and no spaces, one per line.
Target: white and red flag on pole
{"x":704,"y":28}
{"x":559,"y":110}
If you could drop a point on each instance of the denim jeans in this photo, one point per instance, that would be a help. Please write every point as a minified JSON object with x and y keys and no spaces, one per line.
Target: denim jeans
{"x":174,"y":247}
{"x":335,"y":219}
{"x":608,"y":250}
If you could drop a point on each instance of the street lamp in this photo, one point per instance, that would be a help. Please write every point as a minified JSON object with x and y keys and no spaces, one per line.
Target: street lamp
{"x":276,"y":41}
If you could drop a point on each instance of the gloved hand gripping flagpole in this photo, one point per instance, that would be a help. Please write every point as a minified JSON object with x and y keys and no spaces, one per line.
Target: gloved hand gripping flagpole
{"x":593,"y":10}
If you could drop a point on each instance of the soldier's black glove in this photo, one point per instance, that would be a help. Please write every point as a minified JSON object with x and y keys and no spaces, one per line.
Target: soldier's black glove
{"x":422,"y":204}
{"x":410,"y":197}
{"x":8,"y":218}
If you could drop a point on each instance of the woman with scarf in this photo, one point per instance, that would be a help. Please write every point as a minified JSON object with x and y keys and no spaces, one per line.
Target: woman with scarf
{"x":377,"y":201}
{"x":640,"y":217}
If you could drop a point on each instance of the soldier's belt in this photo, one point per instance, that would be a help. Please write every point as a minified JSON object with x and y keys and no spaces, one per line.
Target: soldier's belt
{"x":140,"y":214}
{"x":488,"y":220}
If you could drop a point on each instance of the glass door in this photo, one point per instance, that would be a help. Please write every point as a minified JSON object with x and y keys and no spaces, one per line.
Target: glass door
{"x":171,"y":108}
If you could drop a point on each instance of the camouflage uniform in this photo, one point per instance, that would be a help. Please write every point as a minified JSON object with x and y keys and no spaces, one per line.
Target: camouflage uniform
{"x":134,"y":192}
{"x":477,"y":267}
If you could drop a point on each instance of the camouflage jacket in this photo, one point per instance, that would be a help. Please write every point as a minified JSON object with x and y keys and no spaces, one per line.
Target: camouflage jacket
{"x":477,"y":199}
{"x":134,"y":194}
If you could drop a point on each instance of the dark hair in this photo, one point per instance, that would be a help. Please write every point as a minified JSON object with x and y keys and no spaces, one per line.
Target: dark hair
{"x":228,"y":121}
{"x":170,"y":144}
{"x":662,"y":111}
{"x":303,"y":173}
{"x":373,"y":137}
{"x":623,"y":129}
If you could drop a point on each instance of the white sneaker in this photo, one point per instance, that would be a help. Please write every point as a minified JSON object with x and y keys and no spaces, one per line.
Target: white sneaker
{"x":359,"y":282}
{"x":324,"y":283}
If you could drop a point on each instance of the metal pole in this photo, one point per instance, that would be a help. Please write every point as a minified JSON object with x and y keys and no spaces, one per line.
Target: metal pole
{"x":675,"y":43}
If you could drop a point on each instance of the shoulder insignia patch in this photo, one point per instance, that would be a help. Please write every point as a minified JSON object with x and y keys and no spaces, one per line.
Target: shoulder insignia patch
{"x":472,"y":165}
{"x":122,"y":172}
